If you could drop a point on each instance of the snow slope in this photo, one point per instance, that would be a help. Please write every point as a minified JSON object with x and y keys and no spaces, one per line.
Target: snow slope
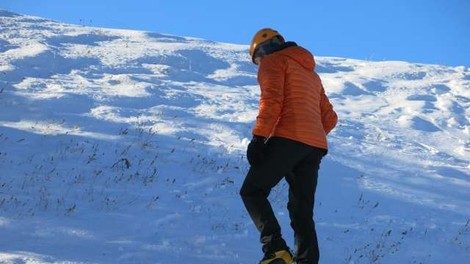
{"x":121,"y":146}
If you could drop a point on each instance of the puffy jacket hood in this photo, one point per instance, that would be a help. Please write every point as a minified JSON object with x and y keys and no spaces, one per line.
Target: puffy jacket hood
{"x":299,"y":54}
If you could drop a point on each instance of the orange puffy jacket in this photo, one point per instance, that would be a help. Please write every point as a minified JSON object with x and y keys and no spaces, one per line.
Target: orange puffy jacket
{"x":293,"y":102}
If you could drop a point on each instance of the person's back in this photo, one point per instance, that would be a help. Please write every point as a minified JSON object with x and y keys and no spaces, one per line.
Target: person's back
{"x":295,"y":96}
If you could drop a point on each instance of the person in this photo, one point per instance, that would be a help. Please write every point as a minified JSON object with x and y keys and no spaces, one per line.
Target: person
{"x":289,"y":141}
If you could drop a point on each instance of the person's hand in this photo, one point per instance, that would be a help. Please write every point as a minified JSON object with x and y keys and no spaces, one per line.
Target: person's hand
{"x":255,"y":151}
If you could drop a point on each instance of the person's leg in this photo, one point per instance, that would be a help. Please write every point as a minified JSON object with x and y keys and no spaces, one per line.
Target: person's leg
{"x":291,"y":203}
{"x":280,"y":158}
{"x":302,"y":186}
{"x":254,"y":193}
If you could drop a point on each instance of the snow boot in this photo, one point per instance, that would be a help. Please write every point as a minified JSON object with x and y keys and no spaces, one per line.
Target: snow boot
{"x":278,"y":257}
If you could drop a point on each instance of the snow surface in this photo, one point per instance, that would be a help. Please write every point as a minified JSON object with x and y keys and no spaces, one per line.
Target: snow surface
{"x":121,"y":146}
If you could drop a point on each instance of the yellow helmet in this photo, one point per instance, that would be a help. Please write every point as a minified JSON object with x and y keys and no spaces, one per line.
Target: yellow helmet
{"x":263,"y":35}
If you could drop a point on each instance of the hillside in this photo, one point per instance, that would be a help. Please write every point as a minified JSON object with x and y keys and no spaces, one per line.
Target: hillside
{"x":121,"y":146}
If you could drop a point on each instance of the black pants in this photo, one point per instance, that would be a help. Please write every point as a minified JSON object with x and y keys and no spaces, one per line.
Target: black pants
{"x":298,"y":163}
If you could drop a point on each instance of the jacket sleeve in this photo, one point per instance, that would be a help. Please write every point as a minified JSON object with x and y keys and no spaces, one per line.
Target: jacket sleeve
{"x":328,"y":115}
{"x":271,"y":75}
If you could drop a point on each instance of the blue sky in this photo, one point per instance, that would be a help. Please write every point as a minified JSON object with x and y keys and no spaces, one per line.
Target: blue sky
{"x":423,"y":31}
